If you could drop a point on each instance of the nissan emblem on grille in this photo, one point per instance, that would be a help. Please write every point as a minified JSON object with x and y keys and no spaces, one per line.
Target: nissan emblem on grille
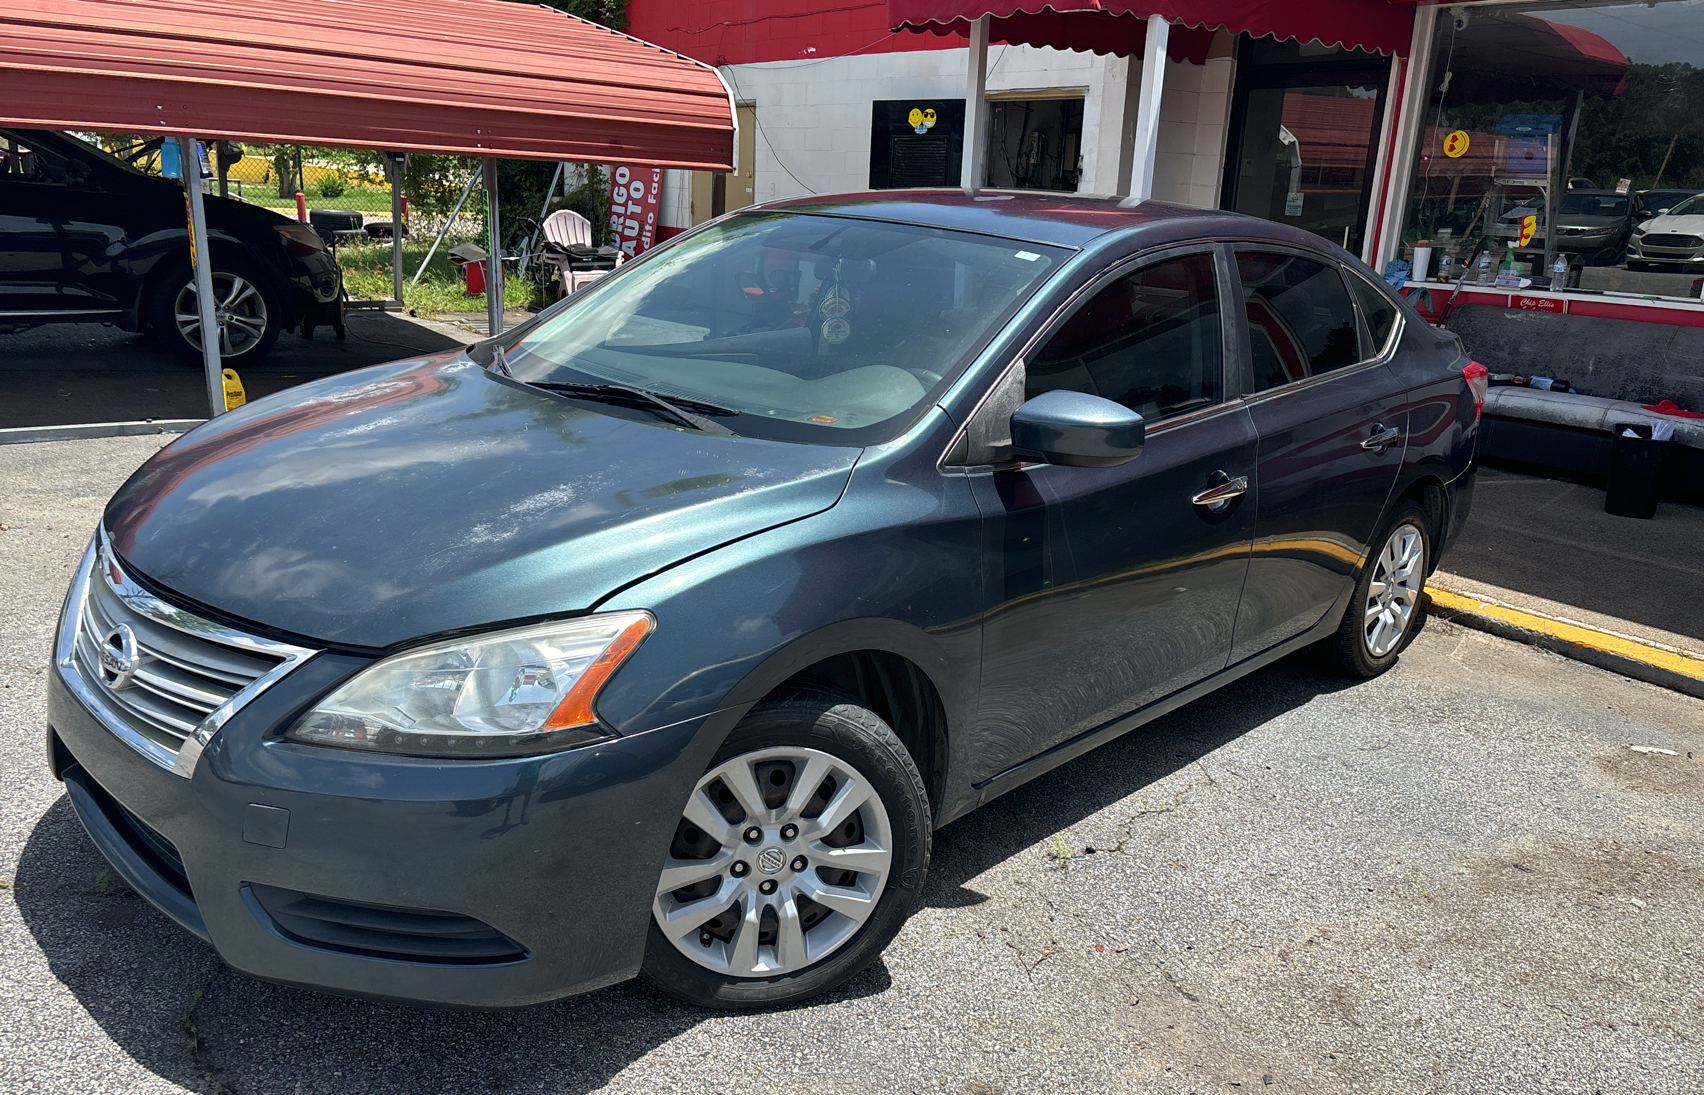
{"x":771,"y":860}
{"x":119,"y":659}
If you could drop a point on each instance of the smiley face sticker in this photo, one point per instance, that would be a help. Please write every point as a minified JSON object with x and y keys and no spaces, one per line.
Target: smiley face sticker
{"x":922,"y":121}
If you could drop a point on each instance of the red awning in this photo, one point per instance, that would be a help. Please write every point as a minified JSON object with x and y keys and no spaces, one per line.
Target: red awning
{"x":1117,"y":26}
{"x":468,"y":77}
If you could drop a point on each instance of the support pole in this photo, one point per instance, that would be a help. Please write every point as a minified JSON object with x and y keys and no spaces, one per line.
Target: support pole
{"x":494,"y":264}
{"x":973,"y":165}
{"x":201,"y":265}
{"x":444,"y":230}
{"x":394,"y":163}
{"x":1148,"y":111}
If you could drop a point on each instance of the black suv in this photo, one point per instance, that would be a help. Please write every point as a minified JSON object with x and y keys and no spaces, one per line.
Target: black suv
{"x":85,"y":237}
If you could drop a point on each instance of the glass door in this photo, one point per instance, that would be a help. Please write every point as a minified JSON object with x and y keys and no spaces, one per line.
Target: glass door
{"x":1304,"y":135}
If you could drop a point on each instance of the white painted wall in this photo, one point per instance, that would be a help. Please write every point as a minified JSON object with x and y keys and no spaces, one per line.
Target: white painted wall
{"x":814,"y":116}
{"x":1195,"y":110}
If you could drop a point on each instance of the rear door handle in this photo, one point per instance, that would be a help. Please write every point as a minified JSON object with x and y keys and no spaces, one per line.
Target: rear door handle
{"x":1218,"y":497}
{"x":1383,"y":439}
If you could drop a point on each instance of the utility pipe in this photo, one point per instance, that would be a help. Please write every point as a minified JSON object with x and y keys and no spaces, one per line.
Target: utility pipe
{"x":493,"y":264}
{"x":201,"y":266}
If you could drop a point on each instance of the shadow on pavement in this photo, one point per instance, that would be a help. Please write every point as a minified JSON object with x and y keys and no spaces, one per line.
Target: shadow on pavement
{"x":1551,"y":538}
{"x":84,"y":372}
{"x":1065,"y":796}
{"x":167,"y":1000}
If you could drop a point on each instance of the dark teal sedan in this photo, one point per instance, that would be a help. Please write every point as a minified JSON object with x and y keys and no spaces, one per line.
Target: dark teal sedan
{"x":657,"y":636}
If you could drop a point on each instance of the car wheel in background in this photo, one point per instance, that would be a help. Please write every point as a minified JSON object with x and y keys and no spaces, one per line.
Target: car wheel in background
{"x":797,"y":858}
{"x":246,"y":309}
{"x":1385,"y":613}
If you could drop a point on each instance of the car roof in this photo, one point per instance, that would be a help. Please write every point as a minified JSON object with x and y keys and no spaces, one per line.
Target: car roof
{"x":1061,"y":219}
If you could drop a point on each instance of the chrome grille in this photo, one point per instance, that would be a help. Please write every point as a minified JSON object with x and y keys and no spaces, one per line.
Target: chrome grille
{"x":1669,"y":240}
{"x":162,"y":679}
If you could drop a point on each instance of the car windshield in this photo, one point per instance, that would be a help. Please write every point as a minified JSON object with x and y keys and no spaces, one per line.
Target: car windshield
{"x":811,"y":328}
{"x":1594,"y":205}
{"x":1691,"y":207}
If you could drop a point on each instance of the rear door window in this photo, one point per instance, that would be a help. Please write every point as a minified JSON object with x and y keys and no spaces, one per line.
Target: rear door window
{"x":1377,"y":312}
{"x":1150,"y":340}
{"x":1300,"y":319}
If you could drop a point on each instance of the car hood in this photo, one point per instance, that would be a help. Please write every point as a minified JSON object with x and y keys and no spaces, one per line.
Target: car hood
{"x":1688,"y":225}
{"x":428,"y":496}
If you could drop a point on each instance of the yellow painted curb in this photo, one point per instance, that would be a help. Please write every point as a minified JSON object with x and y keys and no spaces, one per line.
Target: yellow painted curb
{"x":1585,"y":638}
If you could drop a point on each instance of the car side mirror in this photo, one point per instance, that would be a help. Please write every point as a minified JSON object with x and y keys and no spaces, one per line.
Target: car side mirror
{"x":1662,"y":212}
{"x":1077,"y":430}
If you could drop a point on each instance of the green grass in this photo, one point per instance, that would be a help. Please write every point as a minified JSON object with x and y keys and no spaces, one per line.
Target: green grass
{"x":367,"y":274}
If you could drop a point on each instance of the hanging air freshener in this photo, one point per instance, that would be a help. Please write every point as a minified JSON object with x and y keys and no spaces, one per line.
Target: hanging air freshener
{"x":836,"y":303}
{"x":835,"y":331}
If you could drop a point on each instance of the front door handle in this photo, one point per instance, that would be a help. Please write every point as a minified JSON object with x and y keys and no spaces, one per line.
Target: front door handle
{"x":1382,"y":439}
{"x":1218,"y":497}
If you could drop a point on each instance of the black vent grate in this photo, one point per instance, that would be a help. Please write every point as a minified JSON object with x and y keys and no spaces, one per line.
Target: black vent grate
{"x":383,"y":931}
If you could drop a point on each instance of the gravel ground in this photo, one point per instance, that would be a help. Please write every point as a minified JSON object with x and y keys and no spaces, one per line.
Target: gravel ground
{"x":1456,"y":878}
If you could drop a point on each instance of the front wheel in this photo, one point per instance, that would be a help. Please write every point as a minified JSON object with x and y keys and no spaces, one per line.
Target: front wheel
{"x":1385,"y":614}
{"x":246,"y":311}
{"x":797,"y":858}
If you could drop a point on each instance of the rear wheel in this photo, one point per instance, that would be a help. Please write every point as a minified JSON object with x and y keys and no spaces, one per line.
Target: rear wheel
{"x":797,"y":858}
{"x":1385,"y":614}
{"x":246,"y":312}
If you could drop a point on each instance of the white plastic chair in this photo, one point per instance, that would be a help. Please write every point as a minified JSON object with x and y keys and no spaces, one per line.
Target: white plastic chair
{"x":568,"y":229}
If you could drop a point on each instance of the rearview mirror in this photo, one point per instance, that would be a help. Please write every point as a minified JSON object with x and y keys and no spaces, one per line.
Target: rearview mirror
{"x":1077,"y":430}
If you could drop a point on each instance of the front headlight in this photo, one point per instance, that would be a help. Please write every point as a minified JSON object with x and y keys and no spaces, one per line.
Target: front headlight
{"x":507,"y":694}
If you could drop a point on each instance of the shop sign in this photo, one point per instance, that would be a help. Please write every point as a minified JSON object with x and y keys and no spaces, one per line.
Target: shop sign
{"x":1455,"y":145}
{"x":633,"y":196}
{"x":1293,"y":204}
{"x":1539,"y":304}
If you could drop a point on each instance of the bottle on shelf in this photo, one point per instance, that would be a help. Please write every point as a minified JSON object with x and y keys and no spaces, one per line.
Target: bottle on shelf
{"x":1559,"y":272}
{"x":1485,"y":271}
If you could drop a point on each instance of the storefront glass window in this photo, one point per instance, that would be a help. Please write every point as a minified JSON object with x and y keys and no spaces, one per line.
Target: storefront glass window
{"x":1593,"y":110}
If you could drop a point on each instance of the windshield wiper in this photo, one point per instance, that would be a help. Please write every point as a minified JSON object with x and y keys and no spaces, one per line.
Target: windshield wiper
{"x":624,"y":395}
{"x":688,"y":412}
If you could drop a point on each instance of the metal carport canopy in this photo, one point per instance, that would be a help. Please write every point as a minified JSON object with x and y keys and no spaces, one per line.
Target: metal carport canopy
{"x":469,"y":77}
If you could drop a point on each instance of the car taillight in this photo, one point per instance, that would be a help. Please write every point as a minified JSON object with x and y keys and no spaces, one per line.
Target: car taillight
{"x":1478,"y":381}
{"x":300,"y":240}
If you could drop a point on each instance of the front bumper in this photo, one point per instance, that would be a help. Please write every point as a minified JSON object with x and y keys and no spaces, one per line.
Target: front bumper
{"x":557,"y":855}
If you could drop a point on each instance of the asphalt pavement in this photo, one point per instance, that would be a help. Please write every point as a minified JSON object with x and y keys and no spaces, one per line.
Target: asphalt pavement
{"x":1461,"y":877}
{"x":1549,"y":538}
{"x":86,"y":372}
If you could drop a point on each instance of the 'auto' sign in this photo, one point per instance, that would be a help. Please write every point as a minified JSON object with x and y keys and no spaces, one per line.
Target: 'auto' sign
{"x":633,"y":196}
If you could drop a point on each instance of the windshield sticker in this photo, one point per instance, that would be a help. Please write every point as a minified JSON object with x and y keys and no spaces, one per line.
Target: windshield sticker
{"x":1027,"y":256}
{"x":836,"y":331}
{"x":823,"y":419}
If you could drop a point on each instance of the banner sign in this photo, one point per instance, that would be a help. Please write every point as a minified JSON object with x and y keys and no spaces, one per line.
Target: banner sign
{"x":633,"y":196}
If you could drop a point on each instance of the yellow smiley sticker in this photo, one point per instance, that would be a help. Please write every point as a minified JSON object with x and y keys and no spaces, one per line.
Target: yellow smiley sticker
{"x":1455,"y":145}
{"x":915,"y":117}
{"x":929,"y":119}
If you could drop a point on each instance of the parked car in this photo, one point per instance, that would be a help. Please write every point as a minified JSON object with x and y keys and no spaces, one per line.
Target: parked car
{"x":1591,"y":224}
{"x":1672,"y":239}
{"x":1654,"y":203}
{"x":87,"y":238}
{"x":659,"y":633}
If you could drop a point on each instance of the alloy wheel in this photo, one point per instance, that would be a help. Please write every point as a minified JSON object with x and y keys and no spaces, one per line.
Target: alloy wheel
{"x":1394,"y":594}
{"x":239,"y":311}
{"x":778,"y":859}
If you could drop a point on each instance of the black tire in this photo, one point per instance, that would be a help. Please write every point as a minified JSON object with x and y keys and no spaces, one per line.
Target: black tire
{"x":825,"y":723}
{"x":257,"y":325}
{"x":1351,"y":650}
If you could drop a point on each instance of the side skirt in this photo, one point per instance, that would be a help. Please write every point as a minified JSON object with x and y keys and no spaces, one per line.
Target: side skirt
{"x":1019,"y":774}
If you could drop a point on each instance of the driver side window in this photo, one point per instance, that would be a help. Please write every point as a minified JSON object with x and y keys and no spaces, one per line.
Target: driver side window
{"x":1150,"y":341}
